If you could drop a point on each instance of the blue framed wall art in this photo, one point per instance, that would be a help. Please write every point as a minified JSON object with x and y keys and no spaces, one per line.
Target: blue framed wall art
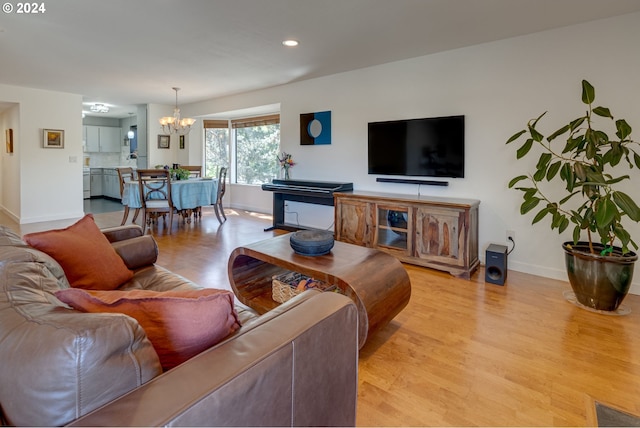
{"x":315,"y":128}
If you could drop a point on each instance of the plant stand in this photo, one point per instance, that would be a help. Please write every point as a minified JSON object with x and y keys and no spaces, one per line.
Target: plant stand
{"x":570,"y":296}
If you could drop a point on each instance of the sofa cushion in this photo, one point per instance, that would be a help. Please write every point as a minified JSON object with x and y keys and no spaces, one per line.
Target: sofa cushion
{"x":179,"y":323}
{"x":88,"y":259}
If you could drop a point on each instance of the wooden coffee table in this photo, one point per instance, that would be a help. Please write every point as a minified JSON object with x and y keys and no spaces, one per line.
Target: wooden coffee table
{"x":377,"y":282}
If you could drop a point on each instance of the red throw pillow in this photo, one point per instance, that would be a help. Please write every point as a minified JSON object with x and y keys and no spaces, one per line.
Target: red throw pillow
{"x":179,"y":323}
{"x":88,"y":259}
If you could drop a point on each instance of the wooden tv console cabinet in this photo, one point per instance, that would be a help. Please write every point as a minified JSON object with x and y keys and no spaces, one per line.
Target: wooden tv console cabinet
{"x":439,"y":233}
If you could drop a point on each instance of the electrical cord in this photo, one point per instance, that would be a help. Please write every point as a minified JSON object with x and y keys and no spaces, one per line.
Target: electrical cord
{"x":514,"y":245}
{"x":287,"y":211}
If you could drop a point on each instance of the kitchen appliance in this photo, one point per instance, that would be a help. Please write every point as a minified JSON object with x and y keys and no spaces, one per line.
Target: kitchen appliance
{"x":86,"y":183}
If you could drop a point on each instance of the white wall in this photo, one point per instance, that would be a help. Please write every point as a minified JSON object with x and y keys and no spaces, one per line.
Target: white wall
{"x":42,"y":184}
{"x":190,"y":155}
{"x":498,"y":86}
{"x":10,"y":165}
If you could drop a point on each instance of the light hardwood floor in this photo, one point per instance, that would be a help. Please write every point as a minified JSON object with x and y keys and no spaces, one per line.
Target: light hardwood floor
{"x":463,"y":353}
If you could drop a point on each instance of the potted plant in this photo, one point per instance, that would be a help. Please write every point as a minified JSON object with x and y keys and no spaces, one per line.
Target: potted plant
{"x":177,"y":173}
{"x":591,"y":166}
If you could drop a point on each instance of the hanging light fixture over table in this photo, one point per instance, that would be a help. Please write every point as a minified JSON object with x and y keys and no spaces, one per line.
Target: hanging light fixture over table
{"x":174,"y":124}
{"x":130,"y":133}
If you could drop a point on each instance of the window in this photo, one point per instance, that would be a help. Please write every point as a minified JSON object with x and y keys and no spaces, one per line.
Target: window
{"x":257,"y":140}
{"x":216,"y":146}
{"x":254,"y":143}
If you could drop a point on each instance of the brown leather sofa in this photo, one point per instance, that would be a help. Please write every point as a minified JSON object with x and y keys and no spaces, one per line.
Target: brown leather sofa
{"x":293,"y":366}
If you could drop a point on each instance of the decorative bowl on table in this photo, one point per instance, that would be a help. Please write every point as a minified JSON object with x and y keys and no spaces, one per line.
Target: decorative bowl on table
{"x":311,"y":242}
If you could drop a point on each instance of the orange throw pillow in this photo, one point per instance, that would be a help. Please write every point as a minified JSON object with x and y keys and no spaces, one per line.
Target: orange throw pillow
{"x":179,"y":323}
{"x":88,"y":259}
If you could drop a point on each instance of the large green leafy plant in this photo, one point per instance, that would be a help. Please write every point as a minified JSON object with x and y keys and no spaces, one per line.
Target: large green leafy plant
{"x":586,"y":164}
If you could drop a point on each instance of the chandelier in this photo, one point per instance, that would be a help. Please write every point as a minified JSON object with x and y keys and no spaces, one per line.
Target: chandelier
{"x":174,"y":124}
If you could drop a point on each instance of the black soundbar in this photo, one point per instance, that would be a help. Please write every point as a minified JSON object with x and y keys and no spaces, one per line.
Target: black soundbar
{"x":412,"y":181}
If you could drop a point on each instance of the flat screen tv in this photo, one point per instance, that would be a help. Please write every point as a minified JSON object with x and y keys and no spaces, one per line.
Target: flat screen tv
{"x":428,"y":147}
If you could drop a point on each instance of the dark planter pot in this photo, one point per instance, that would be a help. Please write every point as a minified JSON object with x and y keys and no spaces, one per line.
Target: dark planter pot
{"x":599,"y":282}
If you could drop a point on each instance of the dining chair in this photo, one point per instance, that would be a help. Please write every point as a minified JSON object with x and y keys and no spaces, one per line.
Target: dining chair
{"x":155,"y":195}
{"x":222,"y":187}
{"x":194,"y":170}
{"x":126,"y":174}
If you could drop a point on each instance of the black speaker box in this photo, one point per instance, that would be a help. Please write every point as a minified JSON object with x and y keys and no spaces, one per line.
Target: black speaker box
{"x":495,"y":270}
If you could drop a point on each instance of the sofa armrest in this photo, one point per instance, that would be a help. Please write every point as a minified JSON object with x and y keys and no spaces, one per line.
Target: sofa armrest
{"x":134,"y":247}
{"x":299,"y":368}
{"x":58,"y":363}
{"x":137,"y":252}
{"x":120,"y":233}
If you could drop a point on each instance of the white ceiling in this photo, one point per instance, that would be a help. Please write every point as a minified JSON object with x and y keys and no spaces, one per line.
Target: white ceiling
{"x":126,"y":52}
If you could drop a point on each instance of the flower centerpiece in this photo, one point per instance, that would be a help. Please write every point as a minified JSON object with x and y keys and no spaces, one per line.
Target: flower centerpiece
{"x":286,"y":162}
{"x":176,"y":172}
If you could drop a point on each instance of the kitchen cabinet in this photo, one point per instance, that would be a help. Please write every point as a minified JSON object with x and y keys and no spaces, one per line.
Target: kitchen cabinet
{"x":105,"y":182}
{"x":110,"y":138}
{"x":103,"y":139}
{"x":439,"y":233}
{"x":91,"y":138}
{"x":110,"y":183}
{"x":86,"y":184}
{"x":96,"y":182}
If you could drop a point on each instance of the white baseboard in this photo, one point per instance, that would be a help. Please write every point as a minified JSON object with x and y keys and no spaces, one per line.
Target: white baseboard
{"x":58,"y":217}
{"x":559,"y":274}
{"x":255,"y":209}
{"x":10,"y":214}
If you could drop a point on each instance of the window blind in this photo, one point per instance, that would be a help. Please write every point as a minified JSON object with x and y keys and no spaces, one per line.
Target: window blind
{"x":216,"y":124}
{"x":255,"y":121}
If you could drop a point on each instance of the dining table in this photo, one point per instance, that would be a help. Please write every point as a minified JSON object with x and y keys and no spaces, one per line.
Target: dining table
{"x":188,"y":196}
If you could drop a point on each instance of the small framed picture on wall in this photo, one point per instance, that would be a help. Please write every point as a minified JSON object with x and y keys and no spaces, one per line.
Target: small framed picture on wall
{"x":163,"y":141}
{"x":182,"y":141}
{"x":9,"y":135}
{"x":53,"y":138}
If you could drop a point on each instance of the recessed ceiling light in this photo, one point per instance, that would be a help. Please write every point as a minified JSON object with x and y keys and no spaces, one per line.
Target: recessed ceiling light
{"x":290,"y":43}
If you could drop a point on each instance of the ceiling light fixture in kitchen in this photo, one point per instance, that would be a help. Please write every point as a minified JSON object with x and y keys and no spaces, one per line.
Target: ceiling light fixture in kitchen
{"x":174,"y":124}
{"x":99,"y":108}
